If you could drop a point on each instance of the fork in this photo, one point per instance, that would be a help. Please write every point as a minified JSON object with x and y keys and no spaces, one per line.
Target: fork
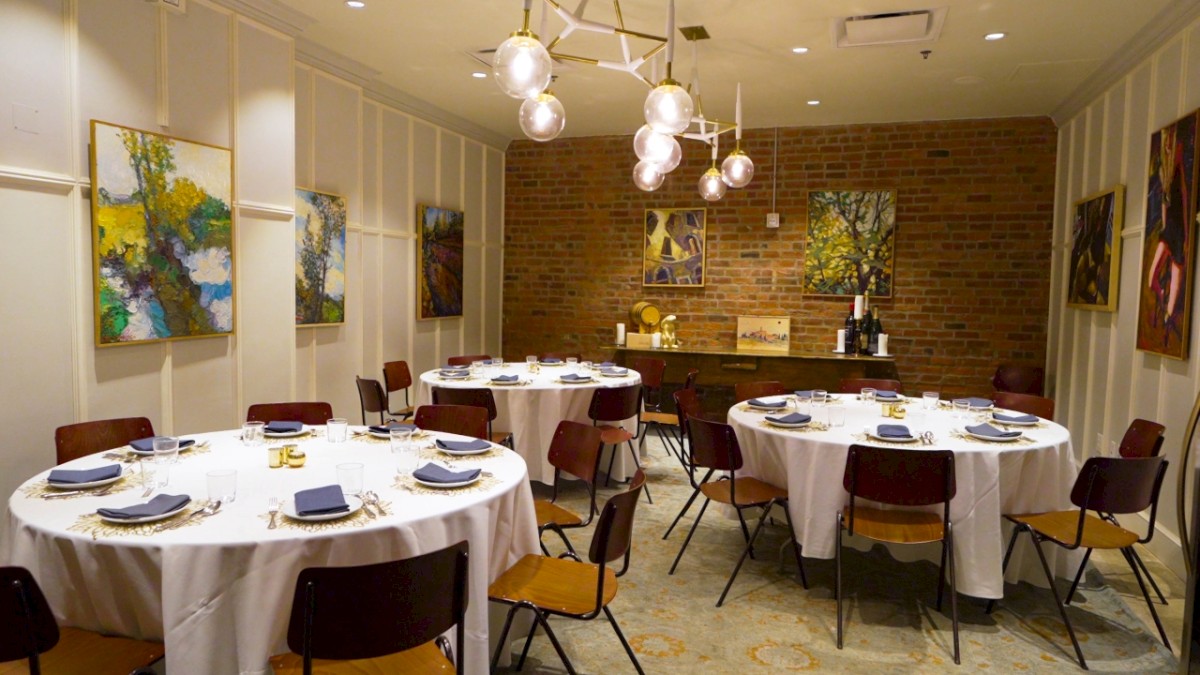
{"x":273,"y":508}
{"x":373,"y":500}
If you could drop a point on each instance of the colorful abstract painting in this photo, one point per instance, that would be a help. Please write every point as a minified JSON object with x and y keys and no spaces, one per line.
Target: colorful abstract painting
{"x":320,"y":258}
{"x":439,"y":263}
{"x":1092,"y":279}
{"x":1169,"y":242}
{"x":851,"y":237}
{"x":162,"y":236}
{"x":674,"y":247}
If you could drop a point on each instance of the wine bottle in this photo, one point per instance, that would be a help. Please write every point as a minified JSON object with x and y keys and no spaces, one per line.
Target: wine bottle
{"x":868,"y":325}
{"x":873,"y":338}
{"x":848,"y":345}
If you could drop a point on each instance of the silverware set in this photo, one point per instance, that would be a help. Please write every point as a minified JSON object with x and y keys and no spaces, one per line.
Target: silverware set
{"x":73,"y":493}
{"x":203,"y":512}
{"x":273,"y":505}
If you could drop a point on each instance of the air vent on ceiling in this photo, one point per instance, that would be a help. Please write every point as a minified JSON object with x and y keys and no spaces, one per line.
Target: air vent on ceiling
{"x":923,"y":25}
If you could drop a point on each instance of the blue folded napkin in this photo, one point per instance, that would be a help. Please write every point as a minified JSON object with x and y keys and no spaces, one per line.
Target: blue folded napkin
{"x":803,"y":393}
{"x":759,"y":403}
{"x":791,"y":418}
{"x":155,"y":507}
{"x":477,"y":444}
{"x":147,"y":444}
{"x":575,"y":377}
{"x":283,"y":426}
{"x":884,"y":393}
{"x":387,"y":428}
{"x":320,"y":501}
{"x":551,"y":360}
{"x":976,"y":402}
{"x":892,"y":431}
{"x":606,"y":364}
{"x":454,"y":373}
{"x":614,"y":371}
{"x":505,"y":378}
{"x":432,"y":473}
{"x":84,"y":475}
{"x":1022,"y":419}
{"x":456,"y":367}
{"x":991,"y":431}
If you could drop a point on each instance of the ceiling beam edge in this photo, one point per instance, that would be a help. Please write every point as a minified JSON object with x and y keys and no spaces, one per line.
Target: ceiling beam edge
{"x":271,"y":13}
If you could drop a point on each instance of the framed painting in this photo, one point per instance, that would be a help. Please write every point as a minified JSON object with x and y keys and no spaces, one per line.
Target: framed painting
{"x":1095,"y":266}
{"x":675,"y":247}
{"x":162,"y":237}
{"x":850,"y":247}
{"x":320,"y":258}
{"x":439,"y":262}
{"x":1168,"y":244}
{"x":764,"y":333}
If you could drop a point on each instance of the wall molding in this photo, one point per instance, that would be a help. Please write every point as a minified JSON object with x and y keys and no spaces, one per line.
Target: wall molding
{"x":271,"y":13}
{"x":252,"y":209}
{"x":42,"y":181}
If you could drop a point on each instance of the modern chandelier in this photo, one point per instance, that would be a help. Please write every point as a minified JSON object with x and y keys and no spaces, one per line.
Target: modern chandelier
{"x":523,"y":68}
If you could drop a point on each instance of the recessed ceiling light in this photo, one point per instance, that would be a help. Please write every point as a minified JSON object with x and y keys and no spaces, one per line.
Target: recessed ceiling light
{"x":356,"y":4}
{"x":814,"y":102}
{"x":478,"y":75}
{"x":991,"y":37}
{"x":799,"y":50}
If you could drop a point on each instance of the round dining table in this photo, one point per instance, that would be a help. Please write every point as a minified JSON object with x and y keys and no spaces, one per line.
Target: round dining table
{"x":217,"y":590}
{"x":531,"y":408}
{"x":1030,"y":474}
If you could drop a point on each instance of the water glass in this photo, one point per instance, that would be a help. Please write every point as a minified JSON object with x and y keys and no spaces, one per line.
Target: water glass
{"x":803,"y":403}
{"x":404,"y":451}
{"x":166,"y":450}
{"x":252,"y":433}
{"x":572,"y":364}
{"x":837,"y":413}
{"x":867,"y":394}
{"x":820,"y":397}
{"x":337,"y":430}
{"x":587,"y":365}
{"x":474,"y":368}
{"x":150,"y":472}
{"x":930,"y":400}
{"x":222,"y":485}
{"x":350,"y":477}
{"x":962,"y":408}
{"x":531,"y":362}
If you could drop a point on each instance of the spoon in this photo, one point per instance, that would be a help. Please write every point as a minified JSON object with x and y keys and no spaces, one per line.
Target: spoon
{"x":373,"y":500}
{"x":204,"y":512}
{"x":103,"y":491}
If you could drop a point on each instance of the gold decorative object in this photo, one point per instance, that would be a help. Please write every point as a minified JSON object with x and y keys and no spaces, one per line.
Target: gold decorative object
{"x":296,"y":458}
{"x":275,"y":457}
{"x":645,"y":316}
{"x":668,"y":325}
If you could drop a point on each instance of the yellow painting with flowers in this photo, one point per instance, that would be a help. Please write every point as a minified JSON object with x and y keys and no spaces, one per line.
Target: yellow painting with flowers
{"x":851,"y":242}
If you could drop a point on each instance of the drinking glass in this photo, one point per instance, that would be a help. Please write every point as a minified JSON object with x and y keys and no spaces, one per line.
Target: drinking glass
{"x":166,"y":450}
{"x":930,"y":400}
{"x":350,"y":477}
{"x":587,"y":365}
{"x":222,"y":485}
{"x":837,"y":413}
{"x":474,"y":368}
{"x":252,"y":433}
{"x":531,"y":362}
{"x":573,"y":364}
{"x":337,"y":429}
{"x":803,"y":403}
{"x":962,"y":407}
{"x":820,"y":397}
{"x":867,"y":394}
{"x":404,"y":451}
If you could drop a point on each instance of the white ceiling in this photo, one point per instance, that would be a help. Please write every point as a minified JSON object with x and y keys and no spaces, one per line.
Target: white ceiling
{"x":1053,"y":46}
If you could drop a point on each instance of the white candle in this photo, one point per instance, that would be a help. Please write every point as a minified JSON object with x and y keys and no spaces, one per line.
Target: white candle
{"x":858,"y":307}
{"x":841,"y":340}
{"x":656,"y":341}
{"x":883,"y":345}
{"x":620,"y":333}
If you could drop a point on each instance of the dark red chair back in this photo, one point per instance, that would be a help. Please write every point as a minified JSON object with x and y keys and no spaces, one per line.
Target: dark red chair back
{"x":1020,"y":379}
{"x":396,"y":376}
{"x":614,"y":530}
{"x":714,"y":445}
{"x":615,"y":404}
{"x":480,"y":397}
{"x":308,"y":412}
{"x":465,"y":420}
{"x":85,"y":438}
{"x":26,"y":620}
{"x":690,"y":382}
{"x":651,"y":371}
{"x":371,"y":398}
{"x":899,"y":476}
{"x":1030,"y":404}
{"x":575,"y":449}
{"x":744,"y":391}
{"x":467,"y":359}
{"x":1143,"y":438}
{"x":1119,"y":485}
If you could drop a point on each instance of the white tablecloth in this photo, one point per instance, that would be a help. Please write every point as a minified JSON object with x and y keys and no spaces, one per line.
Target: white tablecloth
{"x":533,"y":409}
{"x":992,"y":479}
{"x":219,"y":593}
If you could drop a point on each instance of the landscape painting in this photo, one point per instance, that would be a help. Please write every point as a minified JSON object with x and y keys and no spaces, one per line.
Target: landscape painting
{"x":1093,"y":276}
{"x":851,"y":242}
{"x":764,"y":333}
{"x":320,"y":258}
{"x":674,"y":247}
{"x":439,"y":263}
{"x":162,"y":236}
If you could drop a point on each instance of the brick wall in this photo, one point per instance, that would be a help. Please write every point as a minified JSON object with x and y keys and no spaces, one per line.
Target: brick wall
{"x":972,"y":252}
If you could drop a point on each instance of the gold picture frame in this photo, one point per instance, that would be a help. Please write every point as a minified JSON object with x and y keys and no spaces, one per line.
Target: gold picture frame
{"x":675,"y":247}
{"x":764,"y":333}
{"x":1094,"y":269}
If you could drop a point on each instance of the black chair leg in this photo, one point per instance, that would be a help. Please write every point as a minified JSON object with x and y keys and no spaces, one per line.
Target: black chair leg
{"x":688,"y":505}
{"x":1078,"y":575}
{"x":633,"y":452}
{"x":1004,"y":568}
{"x":795,"y":545}
{"x":837,"y":586}
{"x":624,"y":643}
{"x":689,"y":537}
{"x":613,"y":456}
{"x":941,"y":576}
{"x":528,"y":641}
{"x":953,"y":592}
{"x":1142,"y":565}
{"x":745,"y":551}
{"x":1128,"y":553}
{"x":745,"y":532}
{"x":503,"y":634}
{"x":1062,"y":609}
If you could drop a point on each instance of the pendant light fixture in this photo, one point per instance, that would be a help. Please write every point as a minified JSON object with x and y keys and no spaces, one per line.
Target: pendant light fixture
{"x":542,"y":117}
{"x":737,"y":169}
{"x":522,"y":65}
{"x":712,"y":188}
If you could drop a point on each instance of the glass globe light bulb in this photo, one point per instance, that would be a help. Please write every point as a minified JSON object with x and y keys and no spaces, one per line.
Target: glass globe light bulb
{"x":542,"y":118}
{"x":522,"y":66}
{"x":647,"y":176}
{"x":712,"y":187}
{"x":657,"y":148}
{"x":737,"y":169}
{"x":668,"y":108}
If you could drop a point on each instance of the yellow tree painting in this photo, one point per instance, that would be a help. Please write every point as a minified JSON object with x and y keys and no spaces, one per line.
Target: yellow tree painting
{"x":851,"y":237}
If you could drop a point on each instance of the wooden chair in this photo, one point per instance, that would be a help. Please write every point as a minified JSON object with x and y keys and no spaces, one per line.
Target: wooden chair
{"x":666,"y":424}
{"x":1020,"y":379}
{"x":467,"y":359}
{"x":574,"y":449}
{"x":854,"y":385}
{"x":1030,"y":404}
{"x":1104,"y":485}
{"x":32,"y":635}
{"x":561,"y":356}
{"x":77,"y":440}
{"x":307,"y":412}
{"x":610,"y":407}
{"x":381,"y":618}
{"x":1143,"y":438}
{"x":570,"y":588}
{"x":465,"y":420}
{"x":396,"y":377}
{"x":651,"y":372}
{"x":900,"y":477}
{"x":480,"y":397}
{"x":371,"y":398}
{"x":715,"y":447}
{"x":744,"y":391}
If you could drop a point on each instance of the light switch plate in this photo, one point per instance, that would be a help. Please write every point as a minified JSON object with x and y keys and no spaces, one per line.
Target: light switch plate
{"x":772,"y":220}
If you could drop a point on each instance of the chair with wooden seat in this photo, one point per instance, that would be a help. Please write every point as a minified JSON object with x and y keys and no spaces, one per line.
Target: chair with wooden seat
{"x":480,"y":397}
{"x":32,"y":636}
{"x":854,"y":385}
{"x":465,"y":420}
{"x":651,"y":372}
{"x":687,"y":405}
{"x":73,"y":441}
{"x":371,"y":398}
{"x":666,"y":424}
{"x":715,"y":448}
{"x":903,"y":477}
{"x":570,"y":588}
{"x":1030,"y":404}
{"x":467,"y":359}
{"x":561,"y":356}
{"x":1143,"y":438}
{"x":1020,"y":378}
{"x":307,"y":412}
{"x":744,"y":391}
{"x":1113,"y":485}
{"x":382,"y":618}
{"x":608,"y":408}
{"x":575,"y":449}
{"x":397,"y":377}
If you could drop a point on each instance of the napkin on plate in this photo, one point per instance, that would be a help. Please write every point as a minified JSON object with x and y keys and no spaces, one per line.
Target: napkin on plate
{"x":1020,"y":419}
{"x":892,"y":431}
{"x":147,"y":444}
{"x":432,"y":473}
{"x":991,"y":431}
{"x":575,"y":377}
{"x":759,"y":403}
{"x":155,"y":507}
{"x":976,"y":402}
{"x":551,"y":360}
{"x":387,"y":428}
{"x":460,"y":446}
{"x":320,"y":501}
{"x":457,"y":372}
{"x":803,"y":393}
{"x":67,"y":476}
{"x":457,"y":367}
{"x":884,"y":393}
{"x":791,"y":418}
{"x":614,"y":371}
{"x":283,"y":426}
{"x":606,"y":364}
{"x":505,"y":378}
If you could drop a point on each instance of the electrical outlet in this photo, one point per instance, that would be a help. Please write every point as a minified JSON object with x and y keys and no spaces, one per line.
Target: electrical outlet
{"x":772,"y":220}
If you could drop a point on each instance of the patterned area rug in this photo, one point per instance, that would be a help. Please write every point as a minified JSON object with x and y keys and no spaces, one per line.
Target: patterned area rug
{"x":770,"y":624}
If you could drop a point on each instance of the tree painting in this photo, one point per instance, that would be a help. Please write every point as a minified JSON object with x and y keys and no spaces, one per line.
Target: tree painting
{"x":162,"y":236}
{"x":851,"y":238}
{"x":440,"y":264}
{"x":320,"y":258}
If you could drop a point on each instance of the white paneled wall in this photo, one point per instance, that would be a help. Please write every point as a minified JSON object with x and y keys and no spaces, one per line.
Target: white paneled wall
{"x":1099,"y":378}
{"x":209,"y":74}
